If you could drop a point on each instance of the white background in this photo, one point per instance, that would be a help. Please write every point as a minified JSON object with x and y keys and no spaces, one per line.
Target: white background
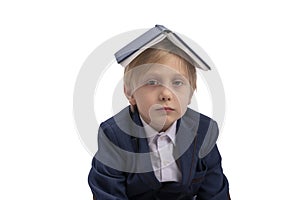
{"x":254,"y":44}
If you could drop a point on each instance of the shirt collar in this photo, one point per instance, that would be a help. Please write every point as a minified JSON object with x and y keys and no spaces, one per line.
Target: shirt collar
{"x":151,"y":132}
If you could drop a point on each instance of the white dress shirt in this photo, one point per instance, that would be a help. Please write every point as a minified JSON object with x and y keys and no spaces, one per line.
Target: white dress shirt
{"x":161,"y":146}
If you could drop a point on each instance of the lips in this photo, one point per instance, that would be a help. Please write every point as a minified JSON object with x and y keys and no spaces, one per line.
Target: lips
{"x":166,"y":109}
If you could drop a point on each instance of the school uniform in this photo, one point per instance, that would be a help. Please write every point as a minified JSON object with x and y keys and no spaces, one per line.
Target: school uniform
{"x":122,"y":168}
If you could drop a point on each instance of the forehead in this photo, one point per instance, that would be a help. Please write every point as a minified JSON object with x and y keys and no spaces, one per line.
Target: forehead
{"x":169,"y":64}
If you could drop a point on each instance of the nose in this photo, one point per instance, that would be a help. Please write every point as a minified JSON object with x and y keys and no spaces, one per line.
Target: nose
{"x":165,"y":94}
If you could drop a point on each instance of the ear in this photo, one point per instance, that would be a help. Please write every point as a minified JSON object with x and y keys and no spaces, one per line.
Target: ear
{"x":129,"y":96}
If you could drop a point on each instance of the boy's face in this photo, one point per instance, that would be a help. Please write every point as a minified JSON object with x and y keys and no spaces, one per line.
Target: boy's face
{"x":162,"y":93}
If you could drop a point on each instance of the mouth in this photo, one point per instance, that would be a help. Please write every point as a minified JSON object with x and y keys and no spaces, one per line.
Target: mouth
{"x":167,"y":109}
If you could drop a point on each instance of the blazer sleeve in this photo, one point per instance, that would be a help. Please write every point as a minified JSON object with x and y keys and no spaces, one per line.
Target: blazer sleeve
{"x":106,"y":182}
{"x":215,"y":185}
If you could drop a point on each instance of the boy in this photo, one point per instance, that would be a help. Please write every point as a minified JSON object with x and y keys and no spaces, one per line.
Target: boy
{"x":158,"y":148}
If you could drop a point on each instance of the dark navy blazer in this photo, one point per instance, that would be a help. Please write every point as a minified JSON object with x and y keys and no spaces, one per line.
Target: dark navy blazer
{"x":121,"y":168}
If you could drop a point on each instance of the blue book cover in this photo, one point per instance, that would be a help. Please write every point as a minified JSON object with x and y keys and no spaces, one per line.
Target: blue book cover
{"x":151,"y":37}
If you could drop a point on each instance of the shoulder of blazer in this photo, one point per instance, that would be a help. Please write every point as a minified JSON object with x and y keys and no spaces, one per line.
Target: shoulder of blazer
{"x":208,"y":131}
{"x":121,"y":119}
{"x":122,"y":123}
{"x":122,"y":128}
{"x":191,"y":114}
{"x":114,"y":126}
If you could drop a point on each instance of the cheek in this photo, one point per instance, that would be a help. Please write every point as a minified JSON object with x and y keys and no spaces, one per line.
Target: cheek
{"x":143,"y":97}
{"x":183,"y":103}
{"x":183,"y":96}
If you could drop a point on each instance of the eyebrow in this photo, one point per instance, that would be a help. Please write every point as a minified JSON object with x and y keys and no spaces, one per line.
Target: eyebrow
{"x":174,"y":75}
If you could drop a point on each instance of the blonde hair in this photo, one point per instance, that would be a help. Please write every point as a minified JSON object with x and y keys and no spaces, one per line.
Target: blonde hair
{"x":157,"y":54}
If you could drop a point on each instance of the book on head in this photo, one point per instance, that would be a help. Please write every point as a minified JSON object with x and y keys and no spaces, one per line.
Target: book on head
{"x":151,"y":37}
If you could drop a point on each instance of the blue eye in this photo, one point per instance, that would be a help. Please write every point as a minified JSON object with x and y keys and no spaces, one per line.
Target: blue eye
{"x":178,"y":83}
{"x":152,"y":82}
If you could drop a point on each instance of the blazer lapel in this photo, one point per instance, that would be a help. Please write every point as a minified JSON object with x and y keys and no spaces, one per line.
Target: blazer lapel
{"x":143,"y":153}
{"x":186,"y":148}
